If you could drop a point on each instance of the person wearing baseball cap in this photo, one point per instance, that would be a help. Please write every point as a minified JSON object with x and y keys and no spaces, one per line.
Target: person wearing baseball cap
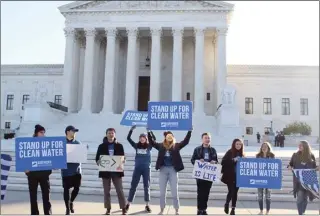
{"x":71,"y":177}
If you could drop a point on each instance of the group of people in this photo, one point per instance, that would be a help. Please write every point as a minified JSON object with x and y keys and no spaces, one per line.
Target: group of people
{"x":169,"y":163}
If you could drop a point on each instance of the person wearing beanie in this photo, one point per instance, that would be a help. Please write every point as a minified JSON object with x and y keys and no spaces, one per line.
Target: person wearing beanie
{"x":71,"y":176}
{"x":142,"y":168}
{"x":111,"y":146}
{"x":169,"y":162}
{"x":39,"y":177}
{"x":204,"y":153}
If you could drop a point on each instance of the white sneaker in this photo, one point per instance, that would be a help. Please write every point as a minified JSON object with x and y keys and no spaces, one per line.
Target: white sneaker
{"x":267,"y":212}
{"x":260,"y":213}
{"x":161,"y":212}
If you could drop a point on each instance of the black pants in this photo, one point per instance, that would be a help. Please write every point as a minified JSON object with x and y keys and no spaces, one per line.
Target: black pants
{"x":33,"y":182}
{"x":232,"y":194}
{"x":71,"y":182}
{"x":203,"y":191}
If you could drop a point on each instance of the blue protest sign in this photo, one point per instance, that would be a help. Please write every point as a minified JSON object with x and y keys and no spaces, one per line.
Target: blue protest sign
{"x":259,"y":173}
{"x":170,"y":115}
{"x":137,"y":118}
{"x":40,"y":153}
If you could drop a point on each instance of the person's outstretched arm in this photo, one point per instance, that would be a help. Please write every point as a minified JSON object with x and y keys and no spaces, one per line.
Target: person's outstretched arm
{"x":132,"y":143}
{"x":186,"y":140}
{"x":152,"y":142}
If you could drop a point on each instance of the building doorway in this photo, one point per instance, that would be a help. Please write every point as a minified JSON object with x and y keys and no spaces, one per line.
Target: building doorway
{"x":143,"y":93}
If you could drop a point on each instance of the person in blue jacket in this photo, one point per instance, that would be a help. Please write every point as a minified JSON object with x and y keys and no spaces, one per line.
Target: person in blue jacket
{"x":71,"y":177}
{"x":142,"y":168}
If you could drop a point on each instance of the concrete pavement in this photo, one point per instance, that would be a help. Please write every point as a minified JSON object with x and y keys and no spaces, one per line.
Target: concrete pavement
{"x":18,"y":203}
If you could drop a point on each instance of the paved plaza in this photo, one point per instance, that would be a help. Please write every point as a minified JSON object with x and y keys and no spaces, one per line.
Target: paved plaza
{"x":18,"y":203}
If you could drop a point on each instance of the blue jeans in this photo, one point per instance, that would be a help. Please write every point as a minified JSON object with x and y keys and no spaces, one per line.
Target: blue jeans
{"x":168,"y":174}
{"x":267,"y":193}
{"x":137,"y":173}
{"x":302,"y":201}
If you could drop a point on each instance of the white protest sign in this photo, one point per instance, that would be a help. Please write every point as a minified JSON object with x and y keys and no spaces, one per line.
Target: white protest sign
{"x":109,"y":163}
{"x":207,"y":171}
{"x":77,"y":153}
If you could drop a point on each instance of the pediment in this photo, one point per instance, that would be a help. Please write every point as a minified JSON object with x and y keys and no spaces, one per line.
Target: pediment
{"x":92,"y":6}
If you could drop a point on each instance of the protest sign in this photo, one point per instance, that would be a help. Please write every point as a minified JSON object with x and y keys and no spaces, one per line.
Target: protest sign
{"x":40,"y":153}
{"x":259,"y":173}
{"x":137,"y":118}
{"x":170,"y":115}
{"x":77,"y":153}
{"x":206,"y":171}
{"x":111,"y":163}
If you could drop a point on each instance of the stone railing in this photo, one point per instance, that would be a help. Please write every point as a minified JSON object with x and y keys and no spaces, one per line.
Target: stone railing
{"x":57,"y":106}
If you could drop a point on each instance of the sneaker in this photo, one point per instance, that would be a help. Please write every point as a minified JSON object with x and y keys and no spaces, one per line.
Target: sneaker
{"x":260,"y":213}
{"x":199,"y":212}
{"x":124,"y":212}
{"x":127,"y":207}
{"x":108,"y":212}
{"x":67,"y":212}
{"x":148,"y":209}
{"x":226,"y":208}
{"x":71,"y":207}
{"x":161,"y":212}
{"x":267,"y":212}
{"x":232,"y":212}
{"x":204,"y":212}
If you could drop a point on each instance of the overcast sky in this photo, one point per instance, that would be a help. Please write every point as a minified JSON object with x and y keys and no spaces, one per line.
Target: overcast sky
{"x":273,"y":32}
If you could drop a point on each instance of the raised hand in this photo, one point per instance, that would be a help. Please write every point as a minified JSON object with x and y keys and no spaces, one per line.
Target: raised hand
{"x":133,"y":127}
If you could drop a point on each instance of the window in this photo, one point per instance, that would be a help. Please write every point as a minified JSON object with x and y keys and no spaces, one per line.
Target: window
{"x":304,"y":106}
{"x":7,"y":125}
{"x":249,"y":130}
{"x":267,"y":130}
{"x":58,"y":99}
{"x":188,"y":95}
{"x":10,"y":99}
{"x":249,"y":106}
{"x":285,"y":106}
{"x":208,"y":96}
{"x":25,"y":99}
{"x":267,"y":107}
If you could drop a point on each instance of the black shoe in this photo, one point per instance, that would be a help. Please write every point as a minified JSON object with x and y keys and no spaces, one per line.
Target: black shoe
{"x":108,"y":212}
{"x":71,"y":207}
{"x":199,"y":212}
{"x":148,"y":209}
{"x":127,"y":207}
{"x":67,"y":212}
{"x":226,"y":208}
{"x":204,"y":212}
{"x":232,"y":212}
{"x":124,"y":212}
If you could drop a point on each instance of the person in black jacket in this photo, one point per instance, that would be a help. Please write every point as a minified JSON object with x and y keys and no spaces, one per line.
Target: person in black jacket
{"x":111,"y":147}
{"x":229,"y":165}
{"x":204,"y":153}
{"x":39,"y":177}
{"x":169,"y":162}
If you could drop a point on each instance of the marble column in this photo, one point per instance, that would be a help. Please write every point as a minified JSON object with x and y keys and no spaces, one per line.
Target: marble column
{"x":177,"y":64}
{"x":88,"y":70}
{"x":155,"y":78}
{"x":199,"y":93}
{"x":75,"y":76}
{"x":130,"y":95}
{"x":81,"y":71}
{"x":68,"y":71}
{"x":109,"y":84}
{"x":221,"y":62}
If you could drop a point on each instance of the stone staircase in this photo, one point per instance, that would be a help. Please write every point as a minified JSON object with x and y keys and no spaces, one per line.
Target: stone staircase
{"x":92,"y":185}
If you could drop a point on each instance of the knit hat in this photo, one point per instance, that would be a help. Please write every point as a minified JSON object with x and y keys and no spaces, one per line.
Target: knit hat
{"x":166,"y":133}
{"x":38,"y":128}
{"x":143,"y":135}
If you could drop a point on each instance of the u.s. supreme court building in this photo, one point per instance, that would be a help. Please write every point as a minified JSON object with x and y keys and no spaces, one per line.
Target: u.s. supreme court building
{"x":121,"y":54}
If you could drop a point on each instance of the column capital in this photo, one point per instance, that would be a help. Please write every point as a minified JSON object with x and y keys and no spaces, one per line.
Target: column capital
{"x":132,"y":32}
{"x":69,"y":32}
{"x":221,"y":31}
{"x":156,"y":31}
{"x":177,"y":32}
{"x":199,"y":31}
{"x":89,"y":32}
{"x":111,"y":32}
{"x":82,"y":42}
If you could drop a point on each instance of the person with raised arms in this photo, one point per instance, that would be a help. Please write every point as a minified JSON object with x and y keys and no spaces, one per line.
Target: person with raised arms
{"x":169,"y":162}
{"x":71,"y":176}
{"x":229,"y":173}
{"x":204,"y":153}
{"x":39,"y":177}
{"x":265,"y":152}
{"x":111,"y":146}
{"x":142,"y":168}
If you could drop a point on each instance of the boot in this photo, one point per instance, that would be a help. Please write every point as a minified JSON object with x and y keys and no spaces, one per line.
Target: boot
{"x":108,"y":212}
{"x":233,"y":211}
{"x":71,"y":207}
{"x":226,"y":208}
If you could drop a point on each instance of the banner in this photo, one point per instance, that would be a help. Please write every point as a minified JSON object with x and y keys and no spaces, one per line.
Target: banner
{"x":77,"y":153}
{"x":206,"y":171}
{"x":259,"y":173}
{"x":109,"y":163}
{"x":6,"y":161}
{"x":40,"y":153}
{"x":137,"y":118}
{"x":170,"y":115}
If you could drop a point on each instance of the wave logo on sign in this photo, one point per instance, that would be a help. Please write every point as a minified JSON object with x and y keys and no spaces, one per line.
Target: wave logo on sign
{"x":169,"y":124}
{"x":260,"y":182}
{"x":41,"y":163}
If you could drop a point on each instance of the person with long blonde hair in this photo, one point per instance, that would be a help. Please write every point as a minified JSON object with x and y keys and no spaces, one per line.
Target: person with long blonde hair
{"x":169,"y":162}
{"x":302,"y":159}
{"x":265,"y":152}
